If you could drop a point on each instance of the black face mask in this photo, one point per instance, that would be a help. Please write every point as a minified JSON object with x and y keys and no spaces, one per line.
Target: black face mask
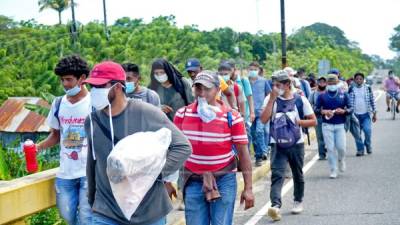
{"x":322,"y":88}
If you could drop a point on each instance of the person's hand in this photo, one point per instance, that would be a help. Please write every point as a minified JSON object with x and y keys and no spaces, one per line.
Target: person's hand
{"x":374,"y":118}
{"x":247,"y":198}
{"x":38,"y":148}
{"x":171,"y":190}
{"x":166,"y":109}
{"x":328,"y":113}
{"x":274,"y":93}
{"x":340,"y":111}
{"x":252,"y":117}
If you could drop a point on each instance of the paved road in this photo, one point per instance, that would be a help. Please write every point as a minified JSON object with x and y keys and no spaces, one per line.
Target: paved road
{"x":367,"y":193}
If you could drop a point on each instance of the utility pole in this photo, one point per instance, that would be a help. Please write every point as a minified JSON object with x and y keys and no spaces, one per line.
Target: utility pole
{"x":73,"y":28}
{"x":283,"y":34}
{"x":105,"y":21}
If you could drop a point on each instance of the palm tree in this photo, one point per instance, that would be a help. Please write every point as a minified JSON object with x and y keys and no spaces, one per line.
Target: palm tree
{"x":58,"y":5}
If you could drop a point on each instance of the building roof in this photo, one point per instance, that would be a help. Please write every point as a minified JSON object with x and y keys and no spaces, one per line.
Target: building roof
{"x":14,"y":117}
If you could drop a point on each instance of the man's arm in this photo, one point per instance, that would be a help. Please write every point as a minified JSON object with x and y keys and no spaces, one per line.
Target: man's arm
{"x":51,"y":140}
{"x":90,"y":166}
{"x":230,"y":97}
{"x":245,"y":165}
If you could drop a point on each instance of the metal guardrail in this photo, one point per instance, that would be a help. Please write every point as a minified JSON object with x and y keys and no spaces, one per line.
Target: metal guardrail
{"x":27,"y":195}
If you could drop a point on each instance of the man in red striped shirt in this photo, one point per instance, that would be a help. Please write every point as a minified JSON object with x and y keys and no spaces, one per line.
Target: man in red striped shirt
{"x":210,"y":172}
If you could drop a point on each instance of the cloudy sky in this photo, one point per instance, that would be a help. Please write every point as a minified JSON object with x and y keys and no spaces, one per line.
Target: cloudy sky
{"x":368,"y":22}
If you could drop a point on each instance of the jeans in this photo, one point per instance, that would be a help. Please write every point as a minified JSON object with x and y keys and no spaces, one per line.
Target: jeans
{"x":355,"y":132}
{"x":267,"y":136}
{"x":248,"y":132}
{"x":279,"y":159}
{"x":320,"y":138}
{"x":200,"y":212}
{"x":335,"y":142}
{"x":72,"y":201}
{"x":99,"y":219}
{"x":258,"y":138}
{"x":366,"y":127}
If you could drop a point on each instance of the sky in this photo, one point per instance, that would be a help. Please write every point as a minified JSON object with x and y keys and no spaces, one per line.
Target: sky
{"x":368,"y":22}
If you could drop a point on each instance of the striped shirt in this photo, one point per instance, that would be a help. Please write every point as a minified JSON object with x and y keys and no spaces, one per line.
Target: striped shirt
{"x":211,"y":142}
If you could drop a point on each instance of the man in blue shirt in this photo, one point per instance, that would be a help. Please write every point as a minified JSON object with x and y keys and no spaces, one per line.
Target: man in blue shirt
{"x":334,"y":105}
{"x":260,"y":89}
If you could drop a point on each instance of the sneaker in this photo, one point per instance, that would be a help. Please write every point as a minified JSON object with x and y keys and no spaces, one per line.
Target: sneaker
{"x":322,"y":157}
{"x":369,"y":152}
{"x":342,"y":166}
{"x":397,"y":110}
{"x":297,"y":207}
{"x":360,"y":154}
{"x":274,"y":213}
{"x":388,"y":109}
{"x":333,"y":175}
{"x":258,"y":162}
{"x":265,"y":156}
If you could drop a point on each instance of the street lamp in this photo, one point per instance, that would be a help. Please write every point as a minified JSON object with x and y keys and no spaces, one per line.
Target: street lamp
{"x":283,"y":34}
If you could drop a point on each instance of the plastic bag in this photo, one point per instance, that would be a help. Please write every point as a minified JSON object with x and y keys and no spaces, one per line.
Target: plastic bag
{"x":134,"y":165}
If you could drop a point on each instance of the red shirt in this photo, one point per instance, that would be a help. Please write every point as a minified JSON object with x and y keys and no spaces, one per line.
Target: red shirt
{"x":211,"y":142}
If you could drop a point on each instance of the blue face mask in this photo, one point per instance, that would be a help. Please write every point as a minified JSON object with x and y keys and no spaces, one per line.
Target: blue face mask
{"x":226,"y":77}
{"x":73,"y":91}
{"x":253,"y":73}
{"x":332,"y":88}
{"x":130,"y":87}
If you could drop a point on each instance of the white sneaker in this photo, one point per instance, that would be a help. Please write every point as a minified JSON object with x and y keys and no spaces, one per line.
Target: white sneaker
{"x":297,"y":207}
{"x":342,"y":166}
{"x":333,"y":174}
{"x":274,"y":213}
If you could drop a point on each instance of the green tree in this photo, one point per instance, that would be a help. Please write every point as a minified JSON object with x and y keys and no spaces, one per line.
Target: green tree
{"x":58,"y":5}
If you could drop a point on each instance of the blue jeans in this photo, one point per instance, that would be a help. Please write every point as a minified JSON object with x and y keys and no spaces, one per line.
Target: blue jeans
{"x":267,"y":136}
{"x":366,"y":127}
{"x":200,"y":212}
{"x":258,"y":138}
{"x":99,"y":219}
{"x":356,"y":133}
{"x":320,"y":138}
{"x":335,"y":142}
{"x":248,"y":132}
{"x":72,"y":201}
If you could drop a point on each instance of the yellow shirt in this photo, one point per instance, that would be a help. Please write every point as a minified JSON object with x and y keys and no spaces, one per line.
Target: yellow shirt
{"x":222,"y":86}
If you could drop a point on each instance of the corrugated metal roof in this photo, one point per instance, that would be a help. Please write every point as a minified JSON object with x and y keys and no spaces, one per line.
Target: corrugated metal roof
{"x":14,"y":117}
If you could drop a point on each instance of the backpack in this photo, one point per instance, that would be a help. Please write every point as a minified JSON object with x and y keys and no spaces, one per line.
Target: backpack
{"x":57,"y":105}
{"x":285,"y":132}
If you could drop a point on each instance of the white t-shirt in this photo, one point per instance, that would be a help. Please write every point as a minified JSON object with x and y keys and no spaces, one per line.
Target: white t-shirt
{"x":293,"y":115}
{"x":360,"y":105}
{"x":73,"y":139}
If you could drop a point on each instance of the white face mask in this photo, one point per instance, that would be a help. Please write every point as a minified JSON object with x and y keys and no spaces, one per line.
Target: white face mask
{"x":205,"y":111}
{"x":281,"y":92}
{"x":332,"y":88}
{"x":99,"y":97}
{"x":161,"y":78}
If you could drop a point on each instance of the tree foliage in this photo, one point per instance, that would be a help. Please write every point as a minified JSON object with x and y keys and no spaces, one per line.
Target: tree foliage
{"x":29,"y":51}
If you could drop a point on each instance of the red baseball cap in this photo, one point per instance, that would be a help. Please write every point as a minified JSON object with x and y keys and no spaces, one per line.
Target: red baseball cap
{"x":105,"y":72}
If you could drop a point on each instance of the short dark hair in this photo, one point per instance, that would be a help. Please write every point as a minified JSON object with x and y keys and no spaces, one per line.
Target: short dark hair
{"x":72,"y":65}
{"x":131,"y":67}
{"x":359,"y":74}
{"x":255,"y":64}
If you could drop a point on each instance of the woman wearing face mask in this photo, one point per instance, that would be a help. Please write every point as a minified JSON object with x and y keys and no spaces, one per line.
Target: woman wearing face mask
{"x":334,"y":105}
{"x":174,"y":90}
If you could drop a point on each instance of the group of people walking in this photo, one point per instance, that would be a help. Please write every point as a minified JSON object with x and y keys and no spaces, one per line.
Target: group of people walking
{"x":214,"y":118}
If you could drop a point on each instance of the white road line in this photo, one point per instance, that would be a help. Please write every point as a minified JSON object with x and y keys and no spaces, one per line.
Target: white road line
{"x":263,"y":211}
{"x":378,"y":94}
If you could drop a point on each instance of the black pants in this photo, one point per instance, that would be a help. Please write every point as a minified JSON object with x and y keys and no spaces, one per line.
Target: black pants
{"x":279,"y":159}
